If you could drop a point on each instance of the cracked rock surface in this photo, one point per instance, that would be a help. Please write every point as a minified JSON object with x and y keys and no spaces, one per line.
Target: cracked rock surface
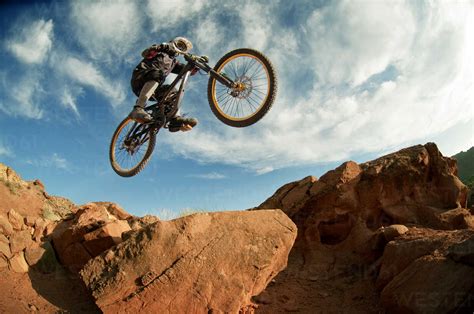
{"x":199,"y":263}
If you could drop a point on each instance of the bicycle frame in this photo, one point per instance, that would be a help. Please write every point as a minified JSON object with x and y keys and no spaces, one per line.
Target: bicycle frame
{"x":183,"y":76}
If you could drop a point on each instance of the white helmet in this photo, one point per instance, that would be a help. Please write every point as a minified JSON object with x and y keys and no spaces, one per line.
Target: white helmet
{"x":182,"y":44}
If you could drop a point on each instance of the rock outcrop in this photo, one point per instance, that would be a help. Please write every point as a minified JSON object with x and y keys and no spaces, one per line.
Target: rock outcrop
{"x":389,"y":235}
{"x":93,"y":230}
{"x":28,"y":216}
{"x":211,"y":262}
{"x":428,"y":271}
{"x":370,"y":216}
{"x":416,"y":185}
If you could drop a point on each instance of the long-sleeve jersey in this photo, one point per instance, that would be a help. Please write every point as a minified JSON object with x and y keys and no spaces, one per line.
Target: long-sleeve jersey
{"x":159,"y":57}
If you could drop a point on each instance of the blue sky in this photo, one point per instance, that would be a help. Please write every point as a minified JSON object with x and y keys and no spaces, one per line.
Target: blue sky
{"x":357,"y":79}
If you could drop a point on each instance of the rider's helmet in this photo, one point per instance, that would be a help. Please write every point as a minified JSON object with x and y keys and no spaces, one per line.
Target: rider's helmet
{"x":182,"y":44}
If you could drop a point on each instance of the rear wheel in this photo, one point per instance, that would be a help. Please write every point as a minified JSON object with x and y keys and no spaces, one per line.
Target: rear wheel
{"x":131,"y":147}
{"x":253,"y":94}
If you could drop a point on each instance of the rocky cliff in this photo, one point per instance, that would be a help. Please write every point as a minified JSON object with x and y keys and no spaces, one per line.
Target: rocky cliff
{"x":57,"y":256}
{"x":390,"y":235}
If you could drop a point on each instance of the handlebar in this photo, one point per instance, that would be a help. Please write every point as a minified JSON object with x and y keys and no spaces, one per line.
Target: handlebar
{"x":203,"y":59}
{"x":201,"y":63}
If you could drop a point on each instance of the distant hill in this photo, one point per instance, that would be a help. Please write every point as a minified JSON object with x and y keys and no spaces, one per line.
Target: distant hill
{"x":466,"y":167}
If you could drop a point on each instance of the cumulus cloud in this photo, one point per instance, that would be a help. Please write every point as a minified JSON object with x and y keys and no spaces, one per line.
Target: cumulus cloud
{"x":209,"y":176}
{"x":23,"y":97}
{"x":380,"y":77}
{"x":257,"y":26}
{"x":33,"y":42}
{"x":107,"y":29}
{"x":59,"y":162}
{"x":5,"y":151}
{"x":352,"y":41}
{"x":354,"y":78}
{"x":69,"y":99}
{"x":87,"y":74}
{"x":165,"y":13}
{"x":51,"y":161}
{"x":207,"y":33}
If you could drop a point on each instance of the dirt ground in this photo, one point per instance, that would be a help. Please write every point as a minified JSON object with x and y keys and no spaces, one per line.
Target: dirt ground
{"x":330,"y":287}
{"x":59,"y":292}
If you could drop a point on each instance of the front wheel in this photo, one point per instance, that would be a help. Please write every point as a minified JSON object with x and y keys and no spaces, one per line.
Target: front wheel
{"x":131,"y":147}
{"x":254,"y":93}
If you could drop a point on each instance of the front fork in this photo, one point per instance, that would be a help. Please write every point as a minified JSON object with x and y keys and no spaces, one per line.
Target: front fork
{"x":222,"y":79}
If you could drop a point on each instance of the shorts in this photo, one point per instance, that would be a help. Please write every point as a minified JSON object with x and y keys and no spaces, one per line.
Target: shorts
{"x":140,"y":77}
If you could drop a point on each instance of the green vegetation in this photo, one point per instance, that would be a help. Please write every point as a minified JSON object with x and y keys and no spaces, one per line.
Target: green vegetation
{"x":189,"y":211}
{"x":48,"y":213}
{"x":57,"y":208}
{"x":13,"y":187}
{"x":466,"y":167}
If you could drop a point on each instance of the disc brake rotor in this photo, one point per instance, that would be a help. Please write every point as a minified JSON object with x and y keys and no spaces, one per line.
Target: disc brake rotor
{"x":243,"y":87}
{"x":130,"y":145}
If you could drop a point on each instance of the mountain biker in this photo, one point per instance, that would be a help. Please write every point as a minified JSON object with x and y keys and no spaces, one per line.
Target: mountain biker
{"x":159,"y":61}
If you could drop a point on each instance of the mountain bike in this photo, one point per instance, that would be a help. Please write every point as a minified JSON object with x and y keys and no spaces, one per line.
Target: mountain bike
{"x":241,"y":90}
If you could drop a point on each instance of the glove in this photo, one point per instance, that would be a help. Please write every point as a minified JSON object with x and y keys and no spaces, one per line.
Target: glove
{"x":167,"y":48}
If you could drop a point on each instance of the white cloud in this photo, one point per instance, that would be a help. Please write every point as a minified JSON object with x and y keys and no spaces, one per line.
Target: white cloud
{"x":52,"y":161}
{"x":209,"y":176}
{"x":207,"y":33}
{"x":164,"y":13}
{"x":33,"y":42}
{"x":107,"y":29}
{"x":257,"y":24}
{"x":68,"y":99}
{"x":23,"y":96}
{"x":351,"y":40}
{"x":87,"y":74}
{"x":59,"y":162}
{"x":264,"y":170}
{"x":5,"y":151}
{"x":335,"y":117}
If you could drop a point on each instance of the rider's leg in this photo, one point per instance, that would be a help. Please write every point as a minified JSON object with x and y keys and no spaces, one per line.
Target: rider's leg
{"x":139,"y":114}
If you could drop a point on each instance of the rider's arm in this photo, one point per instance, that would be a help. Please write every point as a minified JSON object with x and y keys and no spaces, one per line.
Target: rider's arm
{"x":177,"y":67}
{"x":151,"y":51}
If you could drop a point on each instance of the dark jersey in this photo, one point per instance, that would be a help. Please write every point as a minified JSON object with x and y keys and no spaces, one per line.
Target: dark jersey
{"x":158,"y":61}
{"x":161,"y":58}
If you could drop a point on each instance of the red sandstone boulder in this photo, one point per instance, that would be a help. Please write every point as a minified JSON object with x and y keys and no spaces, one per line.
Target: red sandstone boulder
{"x":16,"y":220}
{"x":427,"y":271}
{"x":18,"y":263}
{"x":212,"y":262}
{"x":92,"y":231}
{"x":5,"y":226}
{"x":105,"y":237}
{"x":20,"y":240}
{"x":5,"y":250}
{"x":114,"y":210}
{"x":3,"y":262}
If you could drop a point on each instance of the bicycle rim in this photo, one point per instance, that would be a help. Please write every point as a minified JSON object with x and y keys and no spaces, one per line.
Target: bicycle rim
{"x":253,"y":78}
{"x":129,"y":151}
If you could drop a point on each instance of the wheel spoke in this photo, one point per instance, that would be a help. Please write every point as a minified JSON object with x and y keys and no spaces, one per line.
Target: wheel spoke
{"x":253,"y":90}
{"x":127,"y":156}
